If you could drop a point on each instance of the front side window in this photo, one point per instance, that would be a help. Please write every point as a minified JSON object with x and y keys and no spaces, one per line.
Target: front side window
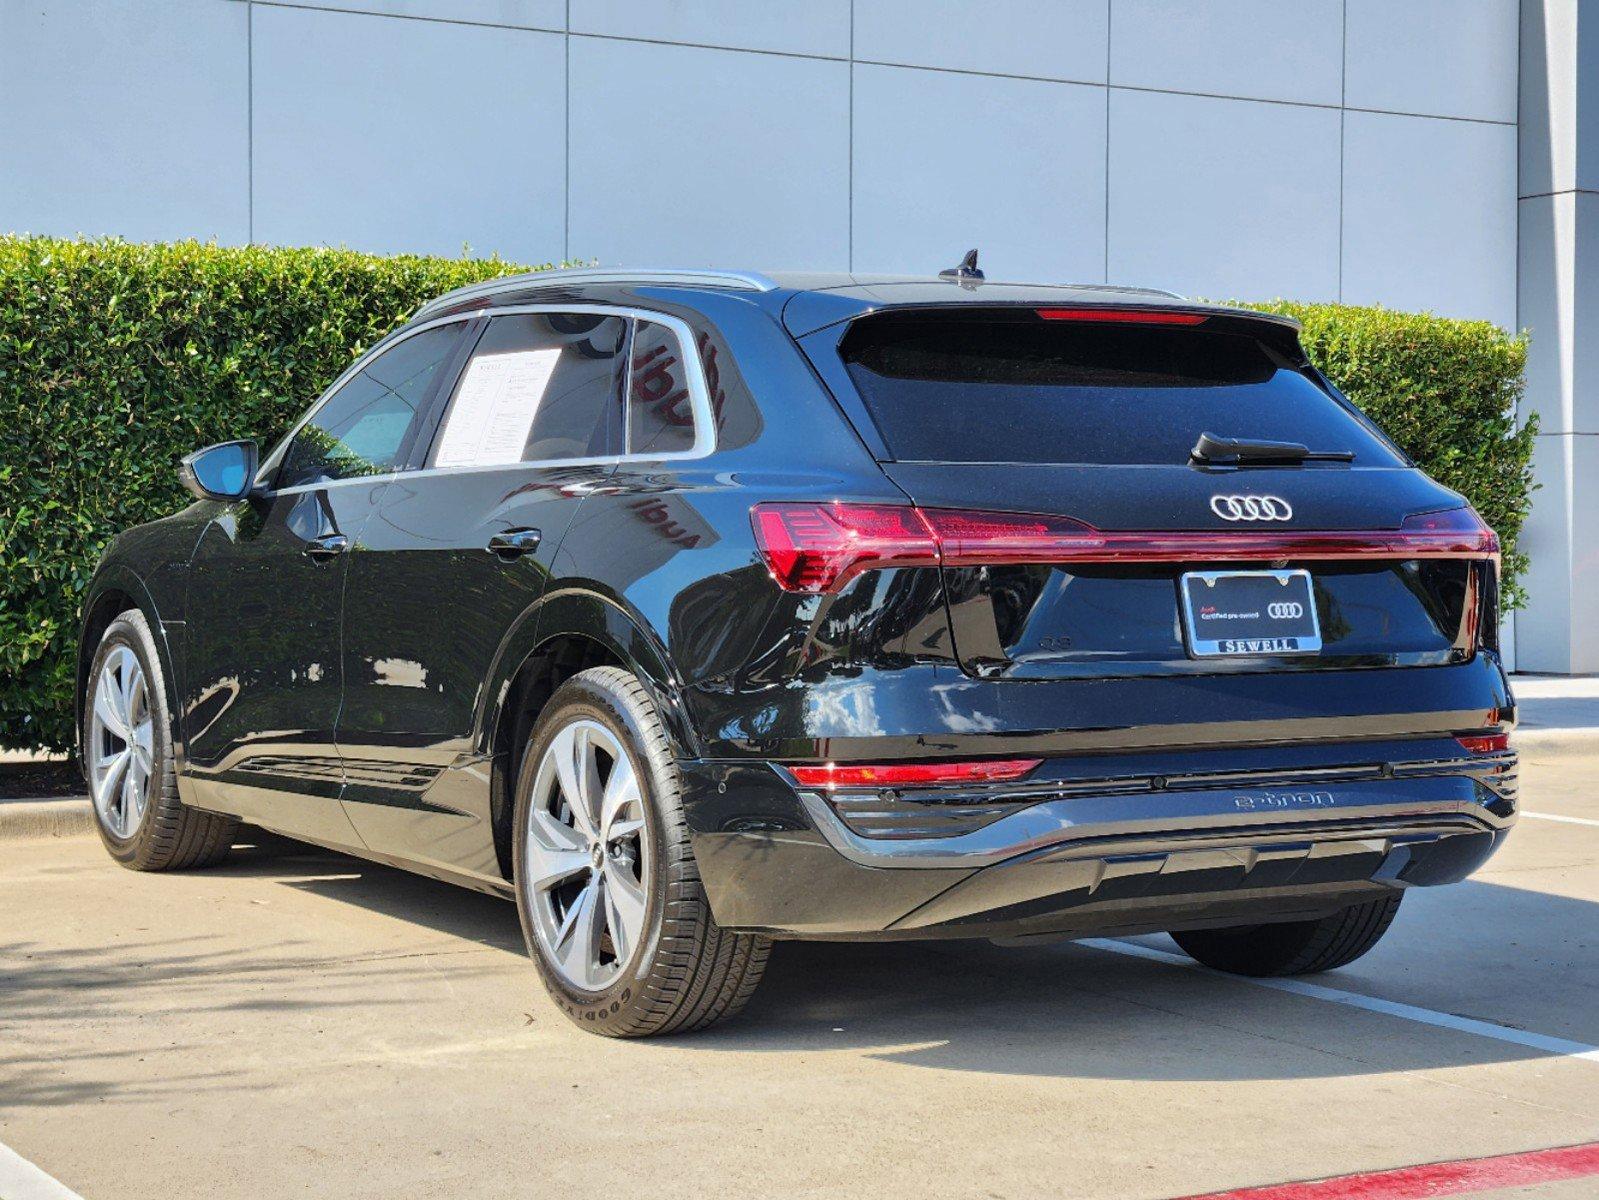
{"x":660,"y":415}
{"x":539,"y":387}
{"x":368,"y":426}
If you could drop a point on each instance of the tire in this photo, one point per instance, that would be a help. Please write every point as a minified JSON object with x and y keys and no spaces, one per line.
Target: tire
{"x":1293,"y":947}
{"x":161,"y":833}
{"x":681,"y":971}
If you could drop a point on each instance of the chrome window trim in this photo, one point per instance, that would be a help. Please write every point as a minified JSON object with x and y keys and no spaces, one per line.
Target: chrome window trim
{"x":694,"y":370}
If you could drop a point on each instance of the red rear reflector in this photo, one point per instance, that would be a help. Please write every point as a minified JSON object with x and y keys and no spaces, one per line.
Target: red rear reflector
{"x":1486,"y":743}
{"x":847,"y":775}
{"x":816,"y":548}
{"x":1124,"y":316}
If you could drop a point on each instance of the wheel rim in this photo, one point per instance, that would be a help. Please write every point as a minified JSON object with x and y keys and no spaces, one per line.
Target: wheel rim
{"x":121,"y":743}
{"x":587,"y":863}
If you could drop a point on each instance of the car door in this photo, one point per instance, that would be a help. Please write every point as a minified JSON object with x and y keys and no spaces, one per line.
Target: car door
{"x":266,"y":583}
{"x":456,"y":556}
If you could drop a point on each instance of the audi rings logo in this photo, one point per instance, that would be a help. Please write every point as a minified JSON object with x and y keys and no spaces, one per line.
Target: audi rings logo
{"x":1285,"y":610}
{"x":1251,"y":508}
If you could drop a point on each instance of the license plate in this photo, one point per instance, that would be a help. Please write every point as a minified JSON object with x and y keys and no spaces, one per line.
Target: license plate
{"x":1248,"y":613}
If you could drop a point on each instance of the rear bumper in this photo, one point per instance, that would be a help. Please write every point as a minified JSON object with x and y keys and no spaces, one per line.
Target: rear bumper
{"x":1279,"y":835}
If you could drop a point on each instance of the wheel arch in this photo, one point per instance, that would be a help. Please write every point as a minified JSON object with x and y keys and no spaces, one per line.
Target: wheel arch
{"x":113,"y":591}
{"x":571,"y":629}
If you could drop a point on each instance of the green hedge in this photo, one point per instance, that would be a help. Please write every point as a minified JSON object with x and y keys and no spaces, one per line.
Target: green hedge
{"x":1447,"y":392}
{"x":116,"y":359}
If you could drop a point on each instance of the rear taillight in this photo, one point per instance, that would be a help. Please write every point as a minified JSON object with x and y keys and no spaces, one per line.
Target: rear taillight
{"x":852,"y":775}
{"x":821,"y":547}
{"x":817,"y":548}
{"x":1485,"y":743}
{"x":1453,"y":533}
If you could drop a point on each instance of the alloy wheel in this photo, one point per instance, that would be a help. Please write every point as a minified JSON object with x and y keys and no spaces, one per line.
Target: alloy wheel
{"x":587,"y":861}
{"x":121,"y":743}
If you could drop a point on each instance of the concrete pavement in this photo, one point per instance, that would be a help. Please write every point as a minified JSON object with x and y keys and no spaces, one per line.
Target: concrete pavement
{"x":299,"y":1023}
{"x":1557,"y":713}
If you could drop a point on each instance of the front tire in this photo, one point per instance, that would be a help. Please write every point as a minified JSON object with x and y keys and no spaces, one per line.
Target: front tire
{"x":127,"y":758}
{"x":1293,"y":947}
{"x":609,"y":894}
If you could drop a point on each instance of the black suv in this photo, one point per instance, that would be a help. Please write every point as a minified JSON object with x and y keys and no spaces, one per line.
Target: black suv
{"x":699,"y":609}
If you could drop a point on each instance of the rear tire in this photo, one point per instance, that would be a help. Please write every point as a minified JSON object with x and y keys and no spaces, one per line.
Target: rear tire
{"x":607,"y":888}
{"x":1293,"y":947}
{"x":133,"y":784}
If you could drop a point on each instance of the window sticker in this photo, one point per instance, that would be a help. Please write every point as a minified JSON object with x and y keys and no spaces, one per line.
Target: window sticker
{"x":494,"y":408}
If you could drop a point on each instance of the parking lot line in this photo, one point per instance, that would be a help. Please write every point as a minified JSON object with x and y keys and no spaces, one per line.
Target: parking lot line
{"x":21,"y":1180}
{"x":1435,"y":1179}
{"x":1391,"y":1008}
{"x":1554,"y":817}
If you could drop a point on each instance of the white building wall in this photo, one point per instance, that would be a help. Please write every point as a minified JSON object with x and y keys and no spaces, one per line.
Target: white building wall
{"x":1325,"y":149}
{"x":374,"y":132}
{"x":131,"y":119}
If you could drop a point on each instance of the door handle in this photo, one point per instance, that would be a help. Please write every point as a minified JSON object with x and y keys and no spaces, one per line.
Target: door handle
{"x":329,"y":545}
{"x":513,"y":544}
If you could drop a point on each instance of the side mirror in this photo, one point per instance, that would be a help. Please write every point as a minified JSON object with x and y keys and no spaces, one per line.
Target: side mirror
{"x":225,"y":471}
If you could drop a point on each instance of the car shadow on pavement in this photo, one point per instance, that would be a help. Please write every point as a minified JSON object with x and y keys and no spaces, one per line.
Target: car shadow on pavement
{"x":1506,"y":955}
{"x":487,"y":920}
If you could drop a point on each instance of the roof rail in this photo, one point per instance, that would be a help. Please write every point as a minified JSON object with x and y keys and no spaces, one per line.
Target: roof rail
{"x":742,"y":280}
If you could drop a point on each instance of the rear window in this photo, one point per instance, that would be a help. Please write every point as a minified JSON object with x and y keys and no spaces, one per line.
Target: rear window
{"x":1014,"y":387}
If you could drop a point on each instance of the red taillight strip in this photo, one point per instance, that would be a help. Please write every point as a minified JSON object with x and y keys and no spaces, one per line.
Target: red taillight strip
{"x":816,"y":548}
{"x":1124,"y":316}
{"x":1254,"y":547}
{"x":972,"y":539}
{"x":848,"y":775}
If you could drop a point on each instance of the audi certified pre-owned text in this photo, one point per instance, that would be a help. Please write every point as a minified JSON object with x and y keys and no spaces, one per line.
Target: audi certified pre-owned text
{"x":694,"y":611}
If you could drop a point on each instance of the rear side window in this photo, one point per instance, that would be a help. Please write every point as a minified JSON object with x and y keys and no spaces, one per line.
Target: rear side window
{"x":660,"y":415}
{"x":1014,"y":387}
{"x":539,"y":387}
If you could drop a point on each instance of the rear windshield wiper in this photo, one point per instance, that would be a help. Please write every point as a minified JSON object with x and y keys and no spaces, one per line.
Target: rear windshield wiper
{"x":1237,"y":452}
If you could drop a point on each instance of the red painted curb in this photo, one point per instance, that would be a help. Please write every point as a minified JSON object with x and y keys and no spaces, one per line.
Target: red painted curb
{"x":1434,"y":1179}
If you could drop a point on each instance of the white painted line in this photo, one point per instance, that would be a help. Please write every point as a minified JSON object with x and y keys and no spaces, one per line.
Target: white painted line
{"x":1391,"y":1008}
{"x":1567,"y":820}
{"x":21,"y":1180}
